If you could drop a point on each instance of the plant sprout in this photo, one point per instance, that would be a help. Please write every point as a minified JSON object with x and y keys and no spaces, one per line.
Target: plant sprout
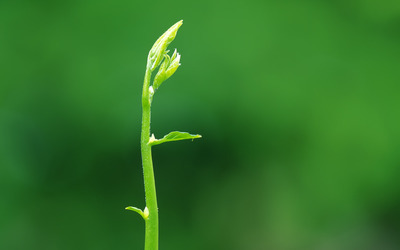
{"x":158,"y":57}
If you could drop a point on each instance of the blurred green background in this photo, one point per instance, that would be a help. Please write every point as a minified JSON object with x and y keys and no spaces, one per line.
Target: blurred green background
{"x":297,"y":101}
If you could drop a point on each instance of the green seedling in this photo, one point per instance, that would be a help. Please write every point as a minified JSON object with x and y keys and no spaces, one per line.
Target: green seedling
{"x":158,"y":57}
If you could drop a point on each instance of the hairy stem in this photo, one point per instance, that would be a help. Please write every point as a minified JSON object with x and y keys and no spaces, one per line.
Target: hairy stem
{"x":151,"y":238}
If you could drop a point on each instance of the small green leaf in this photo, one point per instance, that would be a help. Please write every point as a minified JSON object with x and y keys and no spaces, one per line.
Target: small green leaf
{"x":173,"y":136}
{"x":144,"y":214}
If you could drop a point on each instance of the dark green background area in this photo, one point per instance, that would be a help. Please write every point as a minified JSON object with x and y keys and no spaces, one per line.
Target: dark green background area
{"x":297,"y":101}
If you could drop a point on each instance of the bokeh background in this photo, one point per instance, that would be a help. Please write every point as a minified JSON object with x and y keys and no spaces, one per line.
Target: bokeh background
{"x":297,"y":101}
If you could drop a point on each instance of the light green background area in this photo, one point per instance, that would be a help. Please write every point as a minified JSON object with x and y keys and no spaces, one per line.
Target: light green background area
{"x":297,"y":102}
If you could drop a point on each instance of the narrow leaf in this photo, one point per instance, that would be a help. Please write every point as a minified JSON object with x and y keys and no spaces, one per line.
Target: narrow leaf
{"x":173,"y":136}
{"x":137,"y":210}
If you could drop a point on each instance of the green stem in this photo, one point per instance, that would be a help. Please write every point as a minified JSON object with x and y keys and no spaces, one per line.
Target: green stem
{"x":151,"y":238}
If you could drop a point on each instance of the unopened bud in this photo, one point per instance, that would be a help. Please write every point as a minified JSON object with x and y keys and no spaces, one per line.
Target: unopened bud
{"x":151,"y":93}
{"x":174,"y":64}
{"x":161,"y":75}
{"x":146,"y":213}
{"x":167,"y":69}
